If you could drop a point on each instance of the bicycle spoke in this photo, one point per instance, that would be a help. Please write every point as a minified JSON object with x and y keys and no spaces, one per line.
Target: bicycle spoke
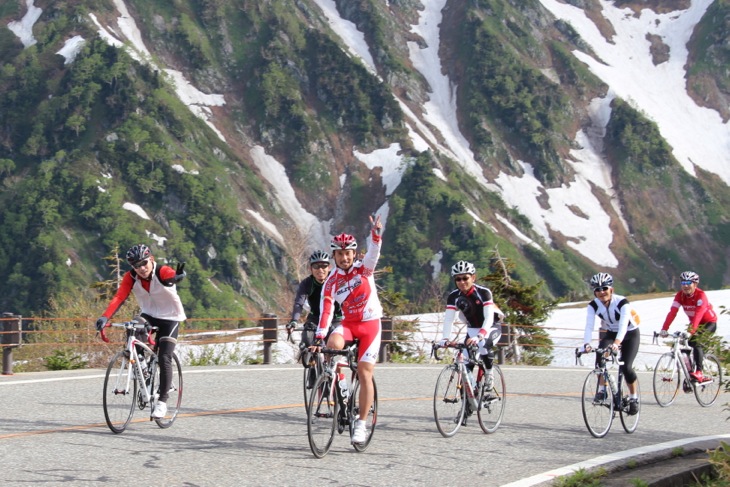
{"x":597,"y":411}
{"x":448,"y":401}
{"x":322,"y":416}
{"x":707,"y":392}
{"x":629,"y":421}
{"x":666,"y":380}
{"x":492,"y":402}
{"x":120,"y":393}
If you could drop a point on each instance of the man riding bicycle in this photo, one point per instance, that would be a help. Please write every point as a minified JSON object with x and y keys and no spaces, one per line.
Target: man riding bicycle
{"x":352,"y":285}
{"x":309,"y":293}
{"x":476,"y":308}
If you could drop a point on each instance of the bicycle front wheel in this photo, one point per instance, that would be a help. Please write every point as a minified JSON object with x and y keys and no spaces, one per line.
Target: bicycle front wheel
{"x":372,"y":419}
{"x":492,"y":402}
{"x":310,"y":377}
{"x":666,"y":380}
{"x":707,"y":392}
{"x":322,"y":416}
{"x":175,"y":393}
{"x":629,"y":421}
{"x":448,"y":401}
{"x":597,"y":408}
{"x":120,"y":393}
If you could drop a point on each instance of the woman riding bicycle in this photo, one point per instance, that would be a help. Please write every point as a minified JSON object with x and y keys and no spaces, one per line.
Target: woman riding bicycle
{"x":155,"y":288}
{"x":352,"y":285}
{"x":619,"y":330}
{"x":476,"y":306}
{"x":703,"y":320}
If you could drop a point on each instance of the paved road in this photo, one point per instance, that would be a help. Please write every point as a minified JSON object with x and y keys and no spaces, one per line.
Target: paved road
{"x":245,"y":426}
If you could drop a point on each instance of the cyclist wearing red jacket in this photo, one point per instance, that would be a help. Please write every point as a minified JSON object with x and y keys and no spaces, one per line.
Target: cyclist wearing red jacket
{"x":352,"y":285}
{"x":703,"y":320}
{"x":155,"y":288}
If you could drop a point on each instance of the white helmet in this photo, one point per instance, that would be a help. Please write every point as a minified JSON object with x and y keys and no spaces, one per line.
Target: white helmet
{"x":690,"y":276}
{"x":462,"y":267}
{"x":601,"y":279}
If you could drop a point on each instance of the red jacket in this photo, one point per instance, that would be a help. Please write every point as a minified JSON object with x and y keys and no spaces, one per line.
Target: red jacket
{"x":697,"y":307}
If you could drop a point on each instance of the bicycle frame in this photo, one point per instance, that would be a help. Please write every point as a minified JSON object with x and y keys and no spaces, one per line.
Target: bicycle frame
{"x":130,"y":352}
{"x":594,"y":409}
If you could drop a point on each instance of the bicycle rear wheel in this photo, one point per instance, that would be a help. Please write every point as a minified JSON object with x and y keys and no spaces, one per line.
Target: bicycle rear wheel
{"x":322,"y":416}
{"x":492,"y":402}
{"x":597,"y":414}
{"x":666,"y":380}
{"x":120,"y":393}
{"x":707,"y":392}
{"x":448,"y":401}
{"x":175,"y":393}
{"x":629,"y":421}
{"x":354,"y":406}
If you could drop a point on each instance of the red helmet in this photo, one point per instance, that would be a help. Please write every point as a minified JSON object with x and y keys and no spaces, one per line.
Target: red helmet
{"x":343,"y":241}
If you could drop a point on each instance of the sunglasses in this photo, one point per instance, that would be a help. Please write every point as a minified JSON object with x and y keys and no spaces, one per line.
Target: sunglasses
{"x":601,"y":289}
{"x":687,"y":283}
{"x":141,"y":264}
{"x":320,"y":266}
{"x":460,"y":279}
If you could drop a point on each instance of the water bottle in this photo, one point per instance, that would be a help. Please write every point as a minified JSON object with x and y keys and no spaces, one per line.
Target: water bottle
{"x":687,"y":362}
{"x":343,"y":386}
{"x":472,"y":381}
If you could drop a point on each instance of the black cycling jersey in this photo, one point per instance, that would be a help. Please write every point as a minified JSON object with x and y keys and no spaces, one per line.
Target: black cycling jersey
{"x":472,"y":304}
{"x":310,"y":291}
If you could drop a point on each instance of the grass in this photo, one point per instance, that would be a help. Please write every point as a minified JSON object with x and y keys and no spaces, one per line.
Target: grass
{"x":581,"y":478}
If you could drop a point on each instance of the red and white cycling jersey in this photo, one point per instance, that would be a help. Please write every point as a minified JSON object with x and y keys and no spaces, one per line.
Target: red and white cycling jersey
{"x":354,"y":290}
{"x":697,"y":307}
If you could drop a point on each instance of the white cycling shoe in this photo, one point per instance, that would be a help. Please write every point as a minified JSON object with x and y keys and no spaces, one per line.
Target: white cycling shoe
{"x":160,"y":410}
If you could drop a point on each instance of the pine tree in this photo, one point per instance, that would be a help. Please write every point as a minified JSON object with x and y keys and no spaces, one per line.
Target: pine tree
{"x":524,"y":312}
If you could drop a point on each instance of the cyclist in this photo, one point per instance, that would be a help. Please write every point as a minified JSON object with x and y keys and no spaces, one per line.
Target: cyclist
{"x":619,"y":330}
{"x":309,"y":293}
{"x":352,"y":285}
{"x":476,"y":308}
{"x":155,"y":288}
{"x":703,"y":320}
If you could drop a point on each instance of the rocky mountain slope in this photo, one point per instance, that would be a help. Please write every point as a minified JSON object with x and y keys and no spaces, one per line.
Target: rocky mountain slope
{"x":569,"y":137}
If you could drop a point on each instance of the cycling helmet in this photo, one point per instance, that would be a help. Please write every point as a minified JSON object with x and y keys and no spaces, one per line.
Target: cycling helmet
{"x":601,"y":279}
{"x":463,"y":267}
{"x":343,"y":241}
{"x":689,"y":276}
{"x":137,"y":254}
{"x":319,"y":256}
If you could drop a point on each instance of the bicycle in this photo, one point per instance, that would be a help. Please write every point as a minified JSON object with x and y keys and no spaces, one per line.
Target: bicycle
{"x":599,"y":407}
{"x":312,"y":361}
{"x":670,"y":368}
{"x":456,"y":397}
{"x":127,"y":383}
{"x":331,"y":408}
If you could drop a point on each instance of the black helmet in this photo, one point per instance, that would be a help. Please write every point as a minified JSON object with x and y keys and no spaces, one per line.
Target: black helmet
{"x":137,"y":254}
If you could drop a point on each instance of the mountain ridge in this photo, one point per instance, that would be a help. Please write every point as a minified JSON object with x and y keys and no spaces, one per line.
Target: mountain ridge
{"x":296,"y":116}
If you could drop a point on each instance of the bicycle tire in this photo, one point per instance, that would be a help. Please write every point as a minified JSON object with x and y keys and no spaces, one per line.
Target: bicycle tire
{"x":490,"y":410}
{"x":353,"y":405}
{"x":120,"y":393}
{"x":629,"y":421}
{"x":666,"y":379}
{"x":310,"y":378}
{"x":598,"y":416}
{"x":706,"y":392}
{"x":449,"y":401}
{"x":322,"y":416}
{"x":174,"y":394}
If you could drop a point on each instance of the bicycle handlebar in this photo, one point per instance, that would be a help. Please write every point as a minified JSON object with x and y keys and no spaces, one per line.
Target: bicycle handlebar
{"x":129,"y":325}
{"x":459,"y":346}
{"x":608,"y":351}
{"x":677,"y":335}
